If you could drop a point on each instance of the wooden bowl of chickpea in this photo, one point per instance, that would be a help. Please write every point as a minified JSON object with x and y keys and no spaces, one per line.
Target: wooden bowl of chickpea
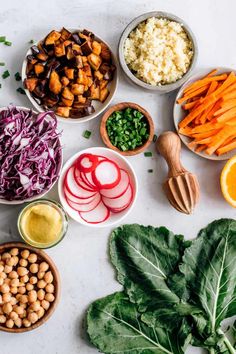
{"x":29,"y":287}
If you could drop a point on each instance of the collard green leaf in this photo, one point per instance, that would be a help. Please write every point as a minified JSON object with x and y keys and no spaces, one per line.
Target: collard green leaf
{"x":144,"y":258}
{"x":114,"y":326}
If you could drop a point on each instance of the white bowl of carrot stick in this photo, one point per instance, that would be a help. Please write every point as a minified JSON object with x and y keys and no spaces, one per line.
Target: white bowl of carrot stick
{"x":205,"y":113}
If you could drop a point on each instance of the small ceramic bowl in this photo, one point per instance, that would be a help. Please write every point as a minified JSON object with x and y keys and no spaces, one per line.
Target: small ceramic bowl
{"x":122,"y":162}
{"x":131,"y":26}
{"x":57,"y":285}
{"x":16,"y":202}
{"x":99,"y":107}
{"x":179,"y":114}
{"x":120,"y":107}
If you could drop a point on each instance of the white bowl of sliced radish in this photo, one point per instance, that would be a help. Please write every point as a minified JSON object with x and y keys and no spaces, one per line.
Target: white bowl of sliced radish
{"x":98,"y":187}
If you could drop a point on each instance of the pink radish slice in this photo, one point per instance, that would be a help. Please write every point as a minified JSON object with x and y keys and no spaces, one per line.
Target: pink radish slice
{"x":86,"y":177}
{"x":85,"y":207}
{"x":98,"y":215}
{"x":81,"y":183}
{"x":86,"y":162}
{"x":120,"y":189}
{"x":74,"y":188}
{"x":121,"y":202}
{"x":106,"y":175}
{"x":77,"y":200}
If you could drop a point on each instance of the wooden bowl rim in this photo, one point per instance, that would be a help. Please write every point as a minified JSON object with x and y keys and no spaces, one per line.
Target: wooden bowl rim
{"x":56,"y":283}
{"x":121,"y":106}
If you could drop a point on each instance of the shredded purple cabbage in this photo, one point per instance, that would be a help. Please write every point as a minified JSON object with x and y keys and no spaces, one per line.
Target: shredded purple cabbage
{"x":30,"y":153}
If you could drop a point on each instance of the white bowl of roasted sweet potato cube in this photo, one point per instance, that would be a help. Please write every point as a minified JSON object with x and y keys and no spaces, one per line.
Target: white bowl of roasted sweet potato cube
{"x":71,"y":72}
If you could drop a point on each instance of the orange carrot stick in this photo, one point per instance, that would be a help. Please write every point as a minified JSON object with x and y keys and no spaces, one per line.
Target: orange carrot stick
{"x":199,"y":83}
{"x":211,"y":73}
{"x":201,"y":148}
{"x":225,"y":107}
{"x":193,"y":94}
{"x":189,"y":105}
{"x":219,"y":139}
{"x":205,"y":134}
{"x":231,"y":113}
{"x":226,"y":148}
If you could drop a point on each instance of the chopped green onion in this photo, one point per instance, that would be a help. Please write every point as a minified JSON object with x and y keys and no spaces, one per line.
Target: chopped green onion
{"x":150,"y":170}
{"x":154,"y":138}
{"x":87,"y":134}
{"x":2,"y":64}
{"x":148,"y":154}
{"x":5,"y":74}
{"x":31,"y":41}
{"x":21,"y":90}
{"x":2,"y":39}
{"x":17,"y":76}
{"x":8,"y":43}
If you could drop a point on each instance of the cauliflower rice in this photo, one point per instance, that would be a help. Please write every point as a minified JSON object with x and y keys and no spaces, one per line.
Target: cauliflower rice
{"x":158,"y":51}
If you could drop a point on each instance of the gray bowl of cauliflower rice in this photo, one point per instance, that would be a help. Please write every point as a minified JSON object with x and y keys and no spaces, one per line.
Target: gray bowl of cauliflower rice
{"x":158,"y":51}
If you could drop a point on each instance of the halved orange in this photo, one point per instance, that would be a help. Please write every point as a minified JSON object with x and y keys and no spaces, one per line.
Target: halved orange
{"x":228,"y":181}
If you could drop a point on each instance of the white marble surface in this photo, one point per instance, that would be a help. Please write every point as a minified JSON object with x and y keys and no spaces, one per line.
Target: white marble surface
{"x":82,"y":257}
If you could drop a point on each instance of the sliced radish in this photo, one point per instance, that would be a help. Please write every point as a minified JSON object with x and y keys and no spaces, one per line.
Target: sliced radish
{"x":77,"y":200}
{"x":120,"y":189}
{"x":98,"y":215}
{"x":87,"y":178}
{"x":106,"y":175}
{"x":85,"y":207}
{"x":74,"y":188}
{"x":81,"y":183}
{"x":120,"y":202}
{"x":86,"y":162}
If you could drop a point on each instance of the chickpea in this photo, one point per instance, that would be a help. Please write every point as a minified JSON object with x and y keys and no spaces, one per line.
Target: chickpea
{"x":25,"y":254}
{"x":2,"y":319}
{"x":40,"y":275}
{"x":24,"y":279}
{"x":1,"y":311}
{"x":13,"y":301}
{"x":35,"y":306}
{"x":1,"y":281}
{"x":33,"y":317}
{"x":24,"y":299}
{"x":33,"y":280}
{"x":10,"y":262}
{"x":7,"y":281}
{"x":3,"y":275}
{"x":16,"y":260}
{"x":45,"y":305}
{"x":7,"y":308}
{"x":22,"y":290}
{"x":22,"y":271}
{"x":24,"y":314}
{"x":1,"y":268}
{"x":18,"y":322}
{"x":7,"y":269}
{"x":41,"y":294}
{"x":40,"y":312}
{"x":24,"y":305}
{"x":19,"y":310}
{"x":23,"y":262}
{"x":26,"y":323}
{"x":48,"y":277}
{"x":49,"y":297}
{"x":18,"y":297}
{"x":49,"y":288}
{"x":41,"y":284}
{"x":34,"y":268}
{"x":32,"y":258}
{"x":32,"y":296}
{"x":6,"y":297}
{"x":5,"y":288}
{"x":43,"y":267}
{"x":1,"y":299}
{"x":29,"y":287}
{"x":13,"y":315}
{"x":15,"y":282}
{"x":14,"y":251}
{"x":13,"y":290}
{"x":5,"y":256}
{"x":9,"y":323}
{"x":13,"y":275}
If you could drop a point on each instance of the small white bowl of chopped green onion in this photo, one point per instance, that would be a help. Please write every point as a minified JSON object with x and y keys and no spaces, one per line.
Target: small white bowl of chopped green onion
{"x":127,"y":128}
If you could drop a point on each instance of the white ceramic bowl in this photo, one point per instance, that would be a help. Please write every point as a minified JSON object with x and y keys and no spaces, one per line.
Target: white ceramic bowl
{"x":17,"y":202}
{"x":179,"y":114}
{"x":99,"y":107}
{"x":122,"y":162}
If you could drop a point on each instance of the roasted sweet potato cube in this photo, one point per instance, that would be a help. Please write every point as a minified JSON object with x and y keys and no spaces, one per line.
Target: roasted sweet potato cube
{"x":66,"y":102}
{"x":82,"y":77}
{"x":54,"y":83}
{"x":65,"y":81}
{"x":103,"y":84}
{"x":63,"y":111}
{"x":81,"y":99}
{"x":96,"y":47}
{"x":67,"y":94}
{"x":86,"y":47}
{"x":52,"y":37}
{"x":105,"y":53}
{"x":69,"y":53}
{"x":38,"y":69}
{"x":65,"y":34}
{"x":30,"y":83}
{"x":31,"y":59}
{"x":77,"y":89}
{"x":94,"y":92}
{"x":98,"y":74}
{"x":60,"y":50}
{"x":85,"y":60}
{"x":70,"y":73}
{"x":68,"y":42}
{"x":42,"y":56}
{"x":79,"y":61}
{"x":89,"y":81}
{"x":76,"y":49}
{"x":103,"y":94}
{"x":87,"y":69}
{"x":51,"y":101}
{"x":95,"y":61}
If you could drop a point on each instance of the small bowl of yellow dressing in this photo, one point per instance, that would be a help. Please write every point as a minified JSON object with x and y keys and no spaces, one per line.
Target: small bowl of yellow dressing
{"x":42,"y":223}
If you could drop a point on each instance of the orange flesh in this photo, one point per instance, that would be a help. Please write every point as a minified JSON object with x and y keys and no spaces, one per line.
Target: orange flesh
{"x":231,"y":182}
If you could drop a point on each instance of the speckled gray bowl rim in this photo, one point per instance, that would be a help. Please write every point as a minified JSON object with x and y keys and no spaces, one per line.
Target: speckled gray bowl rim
{"x":132,"y":25}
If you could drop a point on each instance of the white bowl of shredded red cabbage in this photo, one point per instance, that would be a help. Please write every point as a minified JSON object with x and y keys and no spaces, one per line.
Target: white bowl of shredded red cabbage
{"x":30,"y":154}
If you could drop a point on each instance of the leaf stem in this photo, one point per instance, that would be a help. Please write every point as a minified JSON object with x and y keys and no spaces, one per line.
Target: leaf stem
{"x":227,"y":342}
{"x":212,"y":351}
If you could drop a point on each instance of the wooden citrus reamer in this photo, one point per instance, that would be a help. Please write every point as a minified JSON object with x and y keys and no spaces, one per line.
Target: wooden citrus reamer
{"x":181,"y":186}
